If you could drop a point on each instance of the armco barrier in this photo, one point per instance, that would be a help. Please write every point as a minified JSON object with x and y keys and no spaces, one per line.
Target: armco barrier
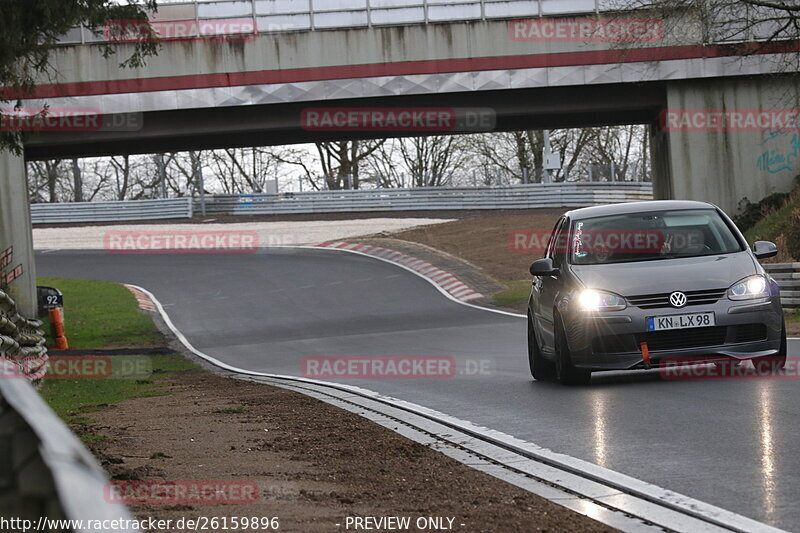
{"x":788,"y":277}
{"x":45,"y":472}
{"x":111,"y":211}
{"x":420,"y":199}
{"x":429,"y":199}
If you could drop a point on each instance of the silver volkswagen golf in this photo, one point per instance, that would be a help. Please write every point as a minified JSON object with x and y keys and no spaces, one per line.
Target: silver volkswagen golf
{"x":643,"y":284}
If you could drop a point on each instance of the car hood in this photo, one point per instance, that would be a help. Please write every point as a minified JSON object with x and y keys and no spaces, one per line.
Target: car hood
{"x":667,"y":275}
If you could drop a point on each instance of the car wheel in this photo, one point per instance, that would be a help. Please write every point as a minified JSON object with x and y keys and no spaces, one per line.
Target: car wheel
{"x":541,"y":368}
{"x":773,"y":364}
{"x":567,"y":374}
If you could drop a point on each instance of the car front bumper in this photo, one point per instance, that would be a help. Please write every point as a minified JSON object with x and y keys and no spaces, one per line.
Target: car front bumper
{"x":612,"y":340}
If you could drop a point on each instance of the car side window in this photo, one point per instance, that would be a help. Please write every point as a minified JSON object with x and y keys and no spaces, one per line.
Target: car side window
{"x":552,"y":250}
{"x":560,"y":244}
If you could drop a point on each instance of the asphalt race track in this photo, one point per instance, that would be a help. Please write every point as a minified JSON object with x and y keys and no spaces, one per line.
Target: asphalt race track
{"x":732,"y":443}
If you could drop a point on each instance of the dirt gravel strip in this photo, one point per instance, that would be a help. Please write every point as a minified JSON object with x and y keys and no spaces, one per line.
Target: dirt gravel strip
{"x":315,"y":465}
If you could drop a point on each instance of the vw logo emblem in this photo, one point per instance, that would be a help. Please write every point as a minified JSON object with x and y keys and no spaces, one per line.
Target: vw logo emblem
{"x":677,"y":299}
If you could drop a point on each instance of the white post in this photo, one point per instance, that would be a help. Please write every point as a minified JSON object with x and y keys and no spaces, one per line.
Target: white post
{"x":547,"y":149}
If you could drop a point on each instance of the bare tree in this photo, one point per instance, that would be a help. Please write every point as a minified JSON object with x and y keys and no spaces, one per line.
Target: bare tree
{"x":757,"y":24}
{"x":77,"y":181}
{"x":122,"y":173}
{"x":340,"y":162}
{"x":242,"y":170}
{"x":432,"y":161}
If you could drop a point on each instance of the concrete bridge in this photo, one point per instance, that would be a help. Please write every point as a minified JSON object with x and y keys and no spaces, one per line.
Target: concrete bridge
{"x":531,"y":64}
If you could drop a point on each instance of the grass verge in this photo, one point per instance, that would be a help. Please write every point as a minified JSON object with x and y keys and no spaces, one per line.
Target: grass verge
{"x":101,"y":314}
{"x":515,"y":296}
{"x":71,"y":398}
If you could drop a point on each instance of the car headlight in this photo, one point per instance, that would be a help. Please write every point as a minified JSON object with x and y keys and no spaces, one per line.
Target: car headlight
{"x":594,"y":300}
{"x":751,"y":287}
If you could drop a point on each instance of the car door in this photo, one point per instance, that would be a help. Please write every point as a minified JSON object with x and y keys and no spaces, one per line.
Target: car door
{"x":545,"y":288}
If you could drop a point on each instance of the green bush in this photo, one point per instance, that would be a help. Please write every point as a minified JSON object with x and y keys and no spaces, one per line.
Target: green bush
{"x":753,"y":213}
{"x":792,"y":235}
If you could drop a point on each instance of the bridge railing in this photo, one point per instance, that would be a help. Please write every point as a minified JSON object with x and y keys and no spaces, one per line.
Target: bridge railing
{"x":726,"y":24}
{"x":299,"y":15}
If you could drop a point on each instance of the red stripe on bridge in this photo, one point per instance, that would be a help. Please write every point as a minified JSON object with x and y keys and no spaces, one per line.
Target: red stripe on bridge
{"x":400,"y":68}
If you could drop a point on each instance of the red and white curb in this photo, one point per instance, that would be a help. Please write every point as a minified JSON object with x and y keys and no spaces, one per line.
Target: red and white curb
{"x":445,"y":280}
{"x":142,"y":299}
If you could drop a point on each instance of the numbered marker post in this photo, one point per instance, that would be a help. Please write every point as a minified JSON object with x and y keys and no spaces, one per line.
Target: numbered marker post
{"x":51,"y":303}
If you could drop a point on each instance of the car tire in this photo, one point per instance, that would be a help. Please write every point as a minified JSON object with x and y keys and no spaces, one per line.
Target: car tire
{"x":773,"y":364}
{"x":566,"y":373}
{"x":541,"y":368}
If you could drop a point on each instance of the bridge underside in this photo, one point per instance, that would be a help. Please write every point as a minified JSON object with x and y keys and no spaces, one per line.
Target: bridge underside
{"x":720,"y":166}
{"x":279,"y":124}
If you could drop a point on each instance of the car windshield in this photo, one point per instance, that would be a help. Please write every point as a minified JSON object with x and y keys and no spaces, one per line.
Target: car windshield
{"x":650,"y":236}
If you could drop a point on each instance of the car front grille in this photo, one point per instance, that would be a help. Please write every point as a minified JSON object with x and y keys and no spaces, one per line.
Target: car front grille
{"x":656,"y":301}
{"x":678,"y":339}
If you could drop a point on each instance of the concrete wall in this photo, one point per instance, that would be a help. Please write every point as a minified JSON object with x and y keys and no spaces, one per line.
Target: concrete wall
{"x":331,"y":48}
{"x":727,"y":166}
{"x":16,"y":234}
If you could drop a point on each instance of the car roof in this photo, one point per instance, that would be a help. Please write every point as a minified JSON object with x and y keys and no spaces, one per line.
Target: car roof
{"x":635,"y":207}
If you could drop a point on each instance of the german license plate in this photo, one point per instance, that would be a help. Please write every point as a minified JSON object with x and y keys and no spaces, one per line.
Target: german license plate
{"x":693,"y":320}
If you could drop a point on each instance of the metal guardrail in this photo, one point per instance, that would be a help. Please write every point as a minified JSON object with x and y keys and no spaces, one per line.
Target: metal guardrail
{"x":788,"y":277}
{"x":309,"y":15}
{"x":47,"y":474}
{"x":45,"y":471}
{"x":111,"y":211}
{"x":429,"y":199}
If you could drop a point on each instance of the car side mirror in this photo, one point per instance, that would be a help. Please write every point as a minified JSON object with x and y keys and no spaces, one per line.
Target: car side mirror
{"x":764,"y":249}
{"x":544,"y":267}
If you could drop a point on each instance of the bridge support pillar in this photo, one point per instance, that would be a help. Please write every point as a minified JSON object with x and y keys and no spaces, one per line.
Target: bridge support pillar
{"x":17,"y":269}
{"x":695,"y":159}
